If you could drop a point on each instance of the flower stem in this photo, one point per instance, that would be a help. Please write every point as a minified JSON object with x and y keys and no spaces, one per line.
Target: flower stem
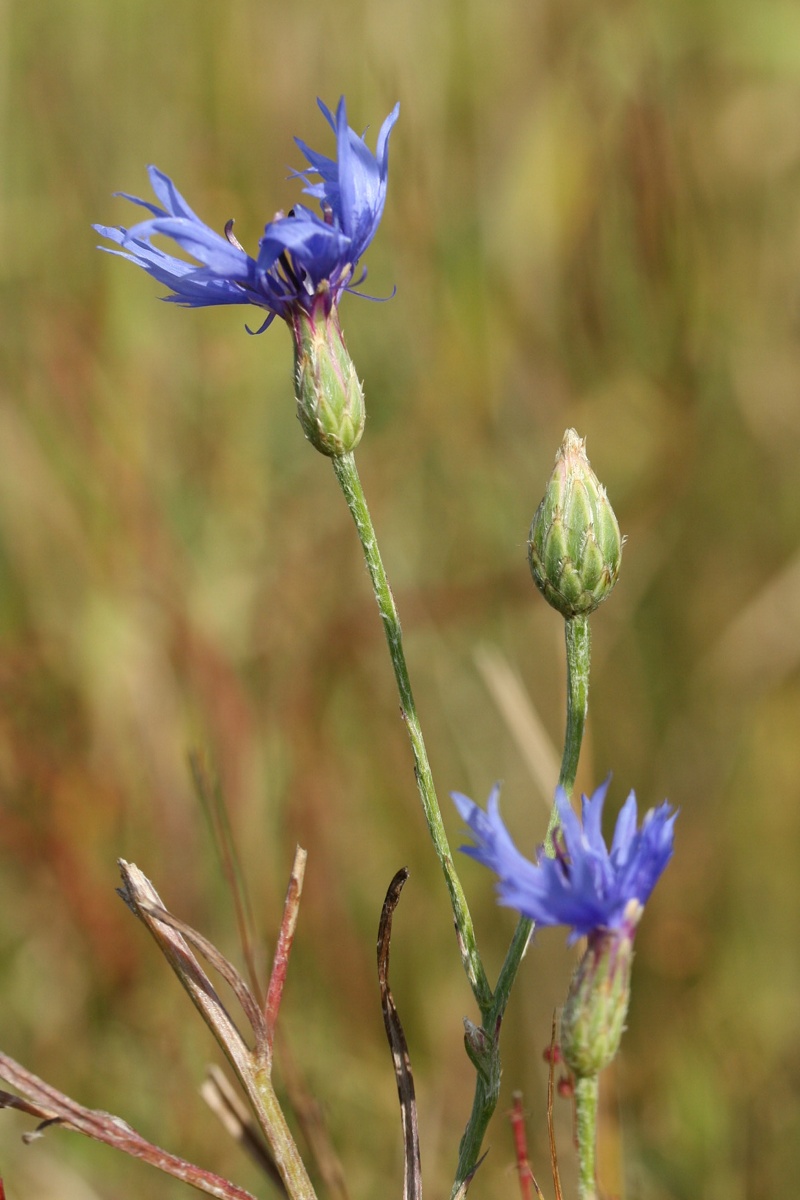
{"x":259,"y":1088}
{"x":578,"y":644}
{"x":586,"y":1098}
{"x":487,"y":1083}
{"x":492,"y":1005}
{"x":347,"y":475}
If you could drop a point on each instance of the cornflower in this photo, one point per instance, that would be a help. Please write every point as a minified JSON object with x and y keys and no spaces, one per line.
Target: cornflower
{"x":305,"y":261}
{"x":594,"y":891}
{"x":585,"y":886}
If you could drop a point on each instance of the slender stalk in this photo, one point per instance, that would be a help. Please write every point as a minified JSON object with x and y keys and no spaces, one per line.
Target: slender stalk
{"x":484,"y":1103}
{"x":578,"y":645}
{"x":487,"y":1083}
{"x":524,"y":1171}
{"x":283,"y":947}
{"x":258,"y":1085}
{"x":586,"y":1097}
{"x":492,"y":1005}
{"x":252,"y":1067}
{"x":42,"y":1100}
{"x":347,"y":475}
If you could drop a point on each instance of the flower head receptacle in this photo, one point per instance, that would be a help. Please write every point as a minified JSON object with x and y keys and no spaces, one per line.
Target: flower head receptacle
{"x":593,"y":1017}
{"x":330,"y":400}
{"x":574,"y":545}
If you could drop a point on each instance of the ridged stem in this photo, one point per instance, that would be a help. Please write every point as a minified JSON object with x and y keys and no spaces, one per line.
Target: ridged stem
{"x":487,"y":1083}
{"x":586,"y":1100}
{"x":578,"y":641}
{"x":492,"y":1005}
{"x":258,"y":1085}
{"x":347,"y":475}
{"x":578,"y":646}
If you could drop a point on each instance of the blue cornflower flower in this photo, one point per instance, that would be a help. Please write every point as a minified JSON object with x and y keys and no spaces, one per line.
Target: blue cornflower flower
{"x":305,"y":261}
{"x":586,"y":887}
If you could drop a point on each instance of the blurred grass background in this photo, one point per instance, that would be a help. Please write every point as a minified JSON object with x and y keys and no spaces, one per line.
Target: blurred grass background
{"x":593,"y":220}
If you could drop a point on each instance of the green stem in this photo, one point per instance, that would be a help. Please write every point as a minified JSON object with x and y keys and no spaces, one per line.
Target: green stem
{"x":492,"y":1005}
{"x":488,"y":1080}
{"x":586,"y":1098}
{"x":578,"y":644}
{"x":258,"y":1085}
{"x":487,"y":1083}
{"x":347,"y":475}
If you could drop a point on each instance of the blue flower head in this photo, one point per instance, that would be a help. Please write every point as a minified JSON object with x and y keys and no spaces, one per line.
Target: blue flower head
{"x":305,"y":260}
{"x":587,"y":887}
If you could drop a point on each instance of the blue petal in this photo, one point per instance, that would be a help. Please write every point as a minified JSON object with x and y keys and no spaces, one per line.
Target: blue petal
{"x":169,"y":195}
{"x":214,"y":251}
{"x":592,"y":811}
{"x":319,"y":248}
{"x":354,"y":187}
{"x":625,"y":831}
{"x":494,"y":846}
{"x":584,"y":888}
{"x":382,"y":148}
{"x":192,"y":285}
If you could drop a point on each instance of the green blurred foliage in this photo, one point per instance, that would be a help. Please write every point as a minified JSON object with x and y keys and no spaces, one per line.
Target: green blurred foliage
{"x":593,"y":220}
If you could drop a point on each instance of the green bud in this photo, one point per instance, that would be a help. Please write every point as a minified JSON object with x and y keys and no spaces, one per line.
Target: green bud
{"x":330,"y":402}
{"x":593,"y":1019}
{"x":482,"y":1053}
{"x":574,"y":546}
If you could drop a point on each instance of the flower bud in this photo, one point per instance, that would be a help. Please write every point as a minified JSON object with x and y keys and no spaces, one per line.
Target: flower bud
{"x":478,"y":1046}
{"x":330,"y":402}
{"x":482,"y":1052}
{"x":594,"y":1015}
{"x":574,"y":545}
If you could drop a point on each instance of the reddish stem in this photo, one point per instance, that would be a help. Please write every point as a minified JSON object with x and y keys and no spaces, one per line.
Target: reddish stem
{"x":280,"y":962}
{"x":52,"y":1107}
{"x":517,"y":1119}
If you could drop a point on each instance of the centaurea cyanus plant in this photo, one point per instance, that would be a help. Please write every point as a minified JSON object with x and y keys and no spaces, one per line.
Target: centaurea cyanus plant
{"x":306,"y":262}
